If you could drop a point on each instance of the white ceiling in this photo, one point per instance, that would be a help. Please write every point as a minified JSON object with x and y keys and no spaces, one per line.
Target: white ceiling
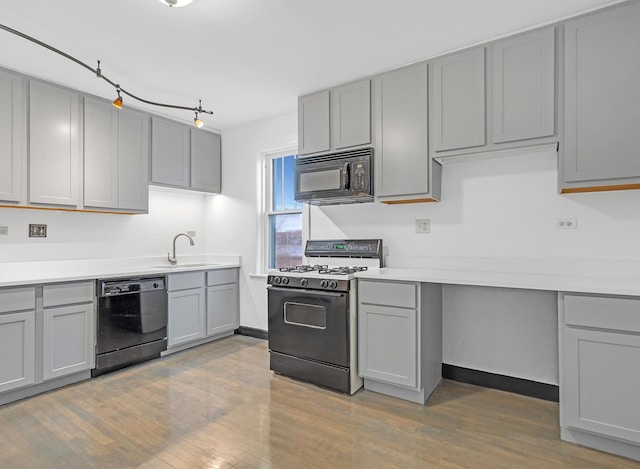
{"x":250,"y":59}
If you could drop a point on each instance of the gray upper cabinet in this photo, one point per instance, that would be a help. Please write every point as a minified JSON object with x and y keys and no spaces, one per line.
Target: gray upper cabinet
{"x":170,"y":146}
{"x":402,"y":162}
{"x":602,"y":99}
{"x":335,"y":119}
{"x":133,"y":160}
{"x":313,"y":123}
{"x":523,"y":86}
{"x":12,"y":129}
{"x":205,"y":161}
{"x":351,"y":114}
{"x":54,"y":145}
{"x":184,"y":157}
{"x":116,"y":157}
{"x":458,"y":119}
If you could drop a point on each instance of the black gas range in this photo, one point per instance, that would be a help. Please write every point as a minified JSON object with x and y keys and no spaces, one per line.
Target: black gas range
{"x":312,"y":313}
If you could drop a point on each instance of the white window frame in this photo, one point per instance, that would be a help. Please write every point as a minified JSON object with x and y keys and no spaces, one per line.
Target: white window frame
{"x":267,"y":202}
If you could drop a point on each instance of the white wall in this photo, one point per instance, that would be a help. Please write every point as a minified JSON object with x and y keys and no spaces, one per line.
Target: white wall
{"x":76,"y":235}
{"x":233,"y":218}
{"x":502,"y":208}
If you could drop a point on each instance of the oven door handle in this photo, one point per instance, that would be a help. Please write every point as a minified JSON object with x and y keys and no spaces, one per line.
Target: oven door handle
{"x":302,"y":290}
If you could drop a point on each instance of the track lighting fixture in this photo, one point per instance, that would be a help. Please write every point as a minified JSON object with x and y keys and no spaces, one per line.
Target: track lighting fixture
{"x":118,"y":101}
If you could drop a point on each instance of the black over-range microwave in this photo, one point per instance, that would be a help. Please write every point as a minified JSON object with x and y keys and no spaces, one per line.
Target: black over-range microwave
{"x":338,"y":178}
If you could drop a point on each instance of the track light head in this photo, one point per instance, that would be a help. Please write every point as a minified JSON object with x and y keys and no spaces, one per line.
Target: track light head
{"x":197,"y":121}
{"x":118,"y":101}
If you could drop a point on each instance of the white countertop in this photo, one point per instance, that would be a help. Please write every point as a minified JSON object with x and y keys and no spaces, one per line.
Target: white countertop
{"x":31,"y":273}
{"x":567,"y":276}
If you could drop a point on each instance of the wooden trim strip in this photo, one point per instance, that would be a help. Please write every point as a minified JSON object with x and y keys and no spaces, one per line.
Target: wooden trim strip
{"x":621,"y":187}
{"x":62,"y":209}
{"x":412,"y":201}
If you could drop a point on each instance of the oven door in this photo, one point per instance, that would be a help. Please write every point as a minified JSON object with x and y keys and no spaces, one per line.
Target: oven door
{"x":309,"y":324}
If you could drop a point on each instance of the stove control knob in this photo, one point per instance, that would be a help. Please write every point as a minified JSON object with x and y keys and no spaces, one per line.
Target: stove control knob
{"x":333,"y":284}
{"x":324,"y":283}
{"x":277,"y":280}
{"x":304,"y":282}
{"x":285,"y":280}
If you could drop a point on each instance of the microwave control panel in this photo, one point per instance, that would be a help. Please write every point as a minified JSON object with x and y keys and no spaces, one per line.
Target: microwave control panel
{"x":360,"y":174}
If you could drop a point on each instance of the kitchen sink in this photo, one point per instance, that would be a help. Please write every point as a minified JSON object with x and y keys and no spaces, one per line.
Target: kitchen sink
{"x":176,"y":266}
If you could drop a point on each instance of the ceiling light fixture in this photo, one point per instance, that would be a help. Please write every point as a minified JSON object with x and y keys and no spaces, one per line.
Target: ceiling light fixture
{"x":118,"y":101}
{"x":176,"y":3}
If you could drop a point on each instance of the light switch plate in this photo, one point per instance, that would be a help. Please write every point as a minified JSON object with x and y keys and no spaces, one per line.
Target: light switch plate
{"x":37,"y":231}
{"x":4,"y":230}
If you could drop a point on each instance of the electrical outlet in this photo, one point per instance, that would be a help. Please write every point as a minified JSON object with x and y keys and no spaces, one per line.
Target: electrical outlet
{"x":4,"y":230}
{"x":566,"y":223}
{"x":191,"y":233}
{"x":423,"y":225}
{"x":37,"y":231}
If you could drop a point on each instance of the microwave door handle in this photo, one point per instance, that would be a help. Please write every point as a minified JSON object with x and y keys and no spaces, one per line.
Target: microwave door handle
{"x":347,"y":176}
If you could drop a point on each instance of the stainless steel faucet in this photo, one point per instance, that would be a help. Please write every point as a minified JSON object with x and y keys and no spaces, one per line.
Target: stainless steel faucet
{"x":172,"y":259}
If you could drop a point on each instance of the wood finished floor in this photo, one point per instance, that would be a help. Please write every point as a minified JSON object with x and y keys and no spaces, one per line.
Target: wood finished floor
{"x":219,"y":406}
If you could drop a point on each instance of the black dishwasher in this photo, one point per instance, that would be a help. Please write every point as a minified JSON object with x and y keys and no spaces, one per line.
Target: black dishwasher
{"x":132,"y":322}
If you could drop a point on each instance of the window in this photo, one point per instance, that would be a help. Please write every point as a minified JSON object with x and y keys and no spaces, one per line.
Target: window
{"x":284,"y":214}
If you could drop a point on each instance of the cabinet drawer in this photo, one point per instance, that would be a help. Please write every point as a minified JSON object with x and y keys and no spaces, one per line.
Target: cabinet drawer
{"x":67,"y":293}
{"x":602,"y":312}
{"x":185,"y":280}
{"x":17,"y":299}
{"x":402,"y":295}
{"x":222,"y":276}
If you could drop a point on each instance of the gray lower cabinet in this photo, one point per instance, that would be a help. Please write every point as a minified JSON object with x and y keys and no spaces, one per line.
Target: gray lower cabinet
{"x":222,"y":301}
{"x":68,"y":329}
{"x":203,"y":306}
{"x":601,"y":101}
{"x":54,"y":145}
{"x":184,"y":157}
{"x":187,"y":313}
{"x":12,"y":132}
{"x":404,"y":171}
{"x":116,"y":157}
{"x":400,"y":338}
{"x":335,"y":119}
{"x":17,"y":337}
{"x":599,"y":382}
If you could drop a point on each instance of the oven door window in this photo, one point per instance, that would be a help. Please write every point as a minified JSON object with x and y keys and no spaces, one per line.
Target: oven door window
{"x":300,"y":314}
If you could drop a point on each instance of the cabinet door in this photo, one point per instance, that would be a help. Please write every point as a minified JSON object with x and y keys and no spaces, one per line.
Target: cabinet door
{"x":67,"y":342}
{"x":100,"y":154}
{"x":205,"y":161}
{"x":222,"y":308}
{"x":459,"y":100}
{"x":169,"y":153}
{"x":602,"y":385}
{"x":186,"y":316}
{"x":402,"y":157}
{"x":17,"y":350}
{"x":602,"y":96}
{"x":133,"y":160}
{"x":351,"y":114}
{"x":524,"y":86}
{"x":387,"y":342}
{"x":54,"y":145}
{"x":11,"y":134}
{"x":313,"y":123}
